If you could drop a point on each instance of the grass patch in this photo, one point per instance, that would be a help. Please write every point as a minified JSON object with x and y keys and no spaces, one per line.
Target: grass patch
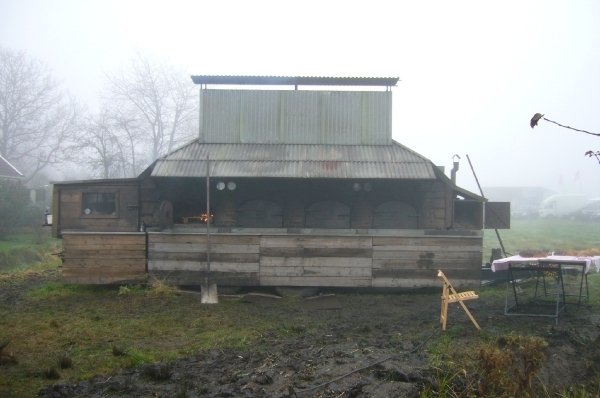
{"x":546,"y":235}
{"x":25,"y":240}
{"x":102,"y":330}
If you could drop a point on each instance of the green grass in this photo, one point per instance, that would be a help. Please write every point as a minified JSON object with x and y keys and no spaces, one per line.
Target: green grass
{"x":546,"y":235}
{"x":88,"y":322}
{"x":23,"y":250}
{"x":25,"y":240}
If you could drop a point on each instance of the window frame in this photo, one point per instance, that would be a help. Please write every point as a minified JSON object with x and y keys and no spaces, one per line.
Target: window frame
{"x":100,"y":191}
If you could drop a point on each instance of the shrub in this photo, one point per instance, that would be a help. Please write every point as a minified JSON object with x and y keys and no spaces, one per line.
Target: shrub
{"x":14,"y":198}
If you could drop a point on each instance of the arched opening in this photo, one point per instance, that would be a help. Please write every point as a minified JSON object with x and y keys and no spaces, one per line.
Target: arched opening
{"x":395,"y":215}
{"x":328,"y":214}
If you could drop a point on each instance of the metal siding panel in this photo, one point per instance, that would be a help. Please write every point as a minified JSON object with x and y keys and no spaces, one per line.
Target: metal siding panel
{"x":260,"y":116}
{"x":377,"y":130}
{"x":296,"y":117}
{"x":301,"y":117}
{"x":221,"y":118}
{"x":343,"y":118}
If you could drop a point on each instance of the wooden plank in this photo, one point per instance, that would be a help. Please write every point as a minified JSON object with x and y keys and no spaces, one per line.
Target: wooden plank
{"x":416,"y":264}
{"x":219,"y":257}
{"x":104,"y":280}
{"x":170,"y":265}
{"x":314,"y":262}
{"x":315,"y":281}
{"x":176,"y":238}
{"x":411,"y":283}
{"x":457,"y":274}
{"x":134,"y":272}
{"x":427,"y":255}
{"x":201,"y":239}
{"x":317,"y":242}
{"x":92,"y":239}
{"x":68,"y":196}
{"x":191,"y":248}
{"x":425,"y":240}
{"x":293,"y":272}
{"x":103,"y":262}
{"x":113,"y":254}
{"x":167,"y":265}
{"x":426,"y":248}
{"x":314,"y":252}
{"x":105,"y":247}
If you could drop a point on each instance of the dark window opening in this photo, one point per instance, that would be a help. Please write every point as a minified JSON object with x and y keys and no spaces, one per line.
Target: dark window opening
{"x":99,"y":204}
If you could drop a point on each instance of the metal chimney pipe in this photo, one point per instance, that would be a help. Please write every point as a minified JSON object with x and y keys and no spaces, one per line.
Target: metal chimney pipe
{"x":453,"y":172}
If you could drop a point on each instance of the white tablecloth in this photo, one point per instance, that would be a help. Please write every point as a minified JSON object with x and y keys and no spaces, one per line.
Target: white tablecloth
{"x":502,"y":264}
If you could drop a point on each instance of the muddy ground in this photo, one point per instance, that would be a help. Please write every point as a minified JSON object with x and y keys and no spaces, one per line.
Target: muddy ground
{"x":374,"y":345}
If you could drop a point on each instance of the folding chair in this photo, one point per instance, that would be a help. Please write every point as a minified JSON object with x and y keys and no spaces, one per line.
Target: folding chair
{"x":455,"y":297}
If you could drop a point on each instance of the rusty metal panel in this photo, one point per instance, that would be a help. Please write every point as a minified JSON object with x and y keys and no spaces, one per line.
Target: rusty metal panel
{"x":497,"y":215}
{"x":295,"y":161}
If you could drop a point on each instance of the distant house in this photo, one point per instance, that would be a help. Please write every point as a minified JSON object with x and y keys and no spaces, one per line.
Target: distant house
{"x":8,"y":171}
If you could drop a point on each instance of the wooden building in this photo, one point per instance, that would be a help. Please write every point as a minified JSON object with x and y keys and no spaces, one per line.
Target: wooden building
{"x":306,"y":188}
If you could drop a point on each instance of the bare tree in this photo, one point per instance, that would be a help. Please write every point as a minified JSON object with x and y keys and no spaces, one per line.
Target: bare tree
{"x":36,"y":116}
{"x":538,"y":116}
{"x":99,"y":149}
{"x":157,"y":98}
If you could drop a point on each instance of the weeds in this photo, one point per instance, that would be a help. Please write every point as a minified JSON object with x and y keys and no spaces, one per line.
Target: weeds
{"x":65,"y":362}
{"x":51,"y":373}
{"x":509,"y":364}
{"x":448,"y":383}
{"x":7,"y":358}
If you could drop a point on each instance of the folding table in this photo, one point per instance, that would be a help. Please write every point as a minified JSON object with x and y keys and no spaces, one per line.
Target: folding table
{"x":540,"y":268}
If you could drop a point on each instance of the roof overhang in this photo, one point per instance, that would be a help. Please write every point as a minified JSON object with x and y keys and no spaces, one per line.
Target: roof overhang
{"x":9,"y":171}
{"x":294,"y":161}
{"x":296,"y":80}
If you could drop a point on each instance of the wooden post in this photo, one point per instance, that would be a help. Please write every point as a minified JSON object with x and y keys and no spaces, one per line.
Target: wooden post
{"x":208,"y":292}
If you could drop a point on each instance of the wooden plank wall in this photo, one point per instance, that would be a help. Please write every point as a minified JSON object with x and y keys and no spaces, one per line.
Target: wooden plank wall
{"x":104,"y":258}
{"x":180,"y":259}
{"x":292,"y":260}
{"x":315,"y":261}
{"x":414,"y":261}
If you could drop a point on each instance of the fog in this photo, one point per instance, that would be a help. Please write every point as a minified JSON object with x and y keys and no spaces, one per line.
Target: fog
{"x":472,"y":73}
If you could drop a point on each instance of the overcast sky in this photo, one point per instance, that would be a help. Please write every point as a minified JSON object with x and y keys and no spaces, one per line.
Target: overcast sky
{"x":472,"y":73}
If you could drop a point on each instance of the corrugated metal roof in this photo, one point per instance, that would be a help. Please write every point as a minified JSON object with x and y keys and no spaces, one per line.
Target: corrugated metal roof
{"x":7,"y":170}
{"x":296,"y":80}
{"x":295,"y":161}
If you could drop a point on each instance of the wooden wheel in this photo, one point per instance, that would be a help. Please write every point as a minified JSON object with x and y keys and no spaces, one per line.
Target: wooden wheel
{"x":165,"y":214}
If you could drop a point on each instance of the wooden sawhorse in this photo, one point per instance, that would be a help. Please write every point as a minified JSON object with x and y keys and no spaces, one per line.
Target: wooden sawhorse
{"x":455,"y":297}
